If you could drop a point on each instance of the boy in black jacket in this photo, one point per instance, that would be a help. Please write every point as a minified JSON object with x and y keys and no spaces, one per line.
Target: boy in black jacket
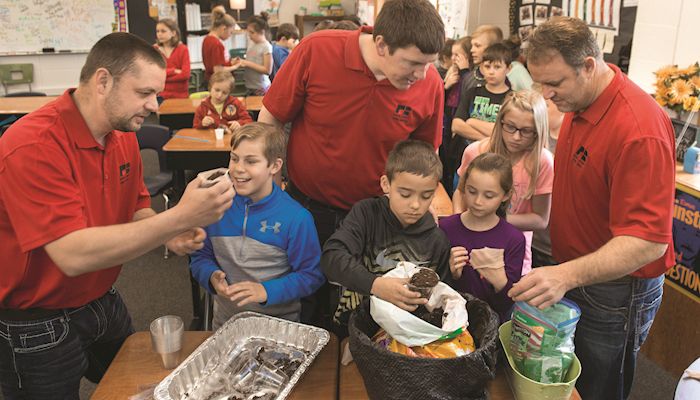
{"x":381,"y":231}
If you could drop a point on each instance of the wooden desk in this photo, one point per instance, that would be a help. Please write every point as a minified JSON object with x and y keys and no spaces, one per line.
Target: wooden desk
{"x":352,"y":387}
{"x":23,"y":105}
{"x":195,"y":149}
{"x":136,"y":365}
{"x":442,"y":204}
{"x":179,"y":113}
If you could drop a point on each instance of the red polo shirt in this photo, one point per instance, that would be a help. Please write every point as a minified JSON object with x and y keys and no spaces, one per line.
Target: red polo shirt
{"x":614,"y":175}
{"x":56,"y":179}
{"x":344,"y":121}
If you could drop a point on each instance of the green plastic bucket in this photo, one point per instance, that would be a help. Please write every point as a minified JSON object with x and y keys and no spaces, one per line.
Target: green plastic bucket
{"x":525,"y":388}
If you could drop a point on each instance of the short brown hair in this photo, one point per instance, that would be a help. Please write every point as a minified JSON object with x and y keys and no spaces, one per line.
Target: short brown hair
{"x":221,"y":76}
{"x":172,"y":25}
{"x":117,"y":53}
{"x":415,"y":157}
{"x":494,"y":33}
{"x":345,"y":25}
{"x":498,"y":52}
{"x":274,"y":140}
{"x":567,"y":36}
{"x":406,"y":23}
{"x":289,"y":31}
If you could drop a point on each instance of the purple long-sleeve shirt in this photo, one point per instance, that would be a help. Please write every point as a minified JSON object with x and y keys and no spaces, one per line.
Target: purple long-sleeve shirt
{"x":502,"y":236}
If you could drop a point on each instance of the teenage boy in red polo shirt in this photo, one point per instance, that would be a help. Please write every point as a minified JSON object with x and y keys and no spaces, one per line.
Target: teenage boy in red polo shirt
{"x":351,"y":96}
{"x":612,"y":204}
{"x":73,"y":208}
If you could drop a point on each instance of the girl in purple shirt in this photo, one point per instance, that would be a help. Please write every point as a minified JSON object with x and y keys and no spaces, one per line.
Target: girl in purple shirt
{"x":487,"y":252}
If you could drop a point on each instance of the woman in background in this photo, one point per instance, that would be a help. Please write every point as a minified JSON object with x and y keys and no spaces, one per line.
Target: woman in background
{"x":177,"y":57}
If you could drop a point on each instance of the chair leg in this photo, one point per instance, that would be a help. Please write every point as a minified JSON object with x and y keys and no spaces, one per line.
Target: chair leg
{"x":166,"y":200}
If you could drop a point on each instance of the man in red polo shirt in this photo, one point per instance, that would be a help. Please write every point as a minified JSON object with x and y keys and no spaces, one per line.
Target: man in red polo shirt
{"x":351,"y":96}
{"x":612,"y":205}
{"x":73,"y":208}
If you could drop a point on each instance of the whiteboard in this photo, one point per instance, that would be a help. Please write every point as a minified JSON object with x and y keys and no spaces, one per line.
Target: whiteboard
{"x":28,"y":26}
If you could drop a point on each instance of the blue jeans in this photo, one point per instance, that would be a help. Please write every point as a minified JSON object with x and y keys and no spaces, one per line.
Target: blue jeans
{"x":615,"y":320}
{"x":46,"y":358}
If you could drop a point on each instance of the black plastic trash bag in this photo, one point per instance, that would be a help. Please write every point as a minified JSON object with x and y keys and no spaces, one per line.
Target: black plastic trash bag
{"x":389,"y":375}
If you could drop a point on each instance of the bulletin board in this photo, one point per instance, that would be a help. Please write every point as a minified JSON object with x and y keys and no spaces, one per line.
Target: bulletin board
{"x":30,"y":27}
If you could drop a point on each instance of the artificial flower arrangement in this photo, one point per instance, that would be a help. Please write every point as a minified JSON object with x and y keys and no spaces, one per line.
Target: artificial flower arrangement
{"x":678,"y":88}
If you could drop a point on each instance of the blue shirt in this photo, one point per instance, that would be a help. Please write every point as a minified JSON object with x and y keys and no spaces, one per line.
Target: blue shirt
{"x":279,"y":55}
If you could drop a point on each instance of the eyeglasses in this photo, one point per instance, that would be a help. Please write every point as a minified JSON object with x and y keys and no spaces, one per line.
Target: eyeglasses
{"x":526,"y":133}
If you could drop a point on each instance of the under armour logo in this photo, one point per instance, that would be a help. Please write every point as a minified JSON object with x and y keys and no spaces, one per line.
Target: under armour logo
{"x":275,"y":228}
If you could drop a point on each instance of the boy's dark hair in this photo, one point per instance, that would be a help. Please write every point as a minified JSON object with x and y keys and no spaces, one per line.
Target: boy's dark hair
{"x":117,"y":53}
{"x":274,"y":140}
{"x":221,"y":76}
{"x":172,"y":25}
{"x":567,"y":36}
{"x":287,"y":31}
{"x":513,"y":43}
{"x":491,"y":163}
{"x":415,"y":157}
{"x":446,"y":51}
{"x":345,"y":25}
{"x":406,"y":23}
{"x":498,"y":52}
{"x":323,"y":25}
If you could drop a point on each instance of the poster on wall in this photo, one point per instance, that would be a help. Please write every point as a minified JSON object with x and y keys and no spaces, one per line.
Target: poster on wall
{"x":272,"y":7}
{"x":120,"y":21}
{"x":454,"y":14}
{"x":526,"y":15}
{"x":686,"y":243}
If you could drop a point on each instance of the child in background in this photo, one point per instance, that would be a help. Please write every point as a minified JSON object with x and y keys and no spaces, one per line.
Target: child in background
{"x":287,"y":39}
{"x":461,"y":66}
{"x":258,"y":62}
{"x":177,"y":57}
{"x":381,"y":231}
{"x":518,"y":76}
{"x":444,"y":61}
{"x":478,"y":108}
{"x":214,"y":55}
{"x":520,"y":135}
{"x":220,"y":109}
{"x":482,"y":37}
{"x":264,"y":254}
{"x":487,"y":252}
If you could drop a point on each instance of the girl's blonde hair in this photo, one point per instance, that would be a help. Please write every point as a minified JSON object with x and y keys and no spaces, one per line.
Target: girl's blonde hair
{"x":528,"y":101}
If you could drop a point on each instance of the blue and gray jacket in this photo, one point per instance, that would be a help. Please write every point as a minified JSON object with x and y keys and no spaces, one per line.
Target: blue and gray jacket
{"x":273,"y":242}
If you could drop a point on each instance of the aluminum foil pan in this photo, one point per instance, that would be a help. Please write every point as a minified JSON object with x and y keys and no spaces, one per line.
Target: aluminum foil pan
{"x":240,"y":329}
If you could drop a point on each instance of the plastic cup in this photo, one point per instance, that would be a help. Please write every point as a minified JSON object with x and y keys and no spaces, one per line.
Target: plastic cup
{"x":219,"y":133}
{"x":425,"y":291}
{"x":166,"y":337}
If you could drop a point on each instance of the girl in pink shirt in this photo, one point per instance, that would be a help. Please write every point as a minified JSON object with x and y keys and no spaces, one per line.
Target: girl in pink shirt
{"x":520,"y":133}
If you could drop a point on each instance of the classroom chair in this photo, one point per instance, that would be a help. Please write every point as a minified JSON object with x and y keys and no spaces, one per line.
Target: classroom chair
{"x":198,"y":95}
{"x":15,"y":74}
{"x":154,"y":137}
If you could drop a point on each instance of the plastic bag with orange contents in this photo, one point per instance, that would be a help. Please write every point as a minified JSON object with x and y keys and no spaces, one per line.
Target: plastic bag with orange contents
{"x":459,"y":344}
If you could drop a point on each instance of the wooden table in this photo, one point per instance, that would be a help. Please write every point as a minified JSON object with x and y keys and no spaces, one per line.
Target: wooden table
{"x":136,"y":366}
{"x":22,"y":105}
{"x":179,"y":113}
{"x":442,"y":203}
{"x":352,"y":387}
{"x":195,"y":149}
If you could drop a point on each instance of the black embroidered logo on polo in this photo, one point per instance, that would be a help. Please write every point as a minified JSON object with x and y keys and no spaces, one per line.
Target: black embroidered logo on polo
{"x":580,"y":156}
{"x":124,"y":170}
{"x":402,"y":113}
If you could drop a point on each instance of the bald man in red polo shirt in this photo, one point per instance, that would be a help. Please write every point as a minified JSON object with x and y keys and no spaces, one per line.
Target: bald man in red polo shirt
{"x":612,"y":205}
{"x":351,"y":96}
{"x":73,"y":208}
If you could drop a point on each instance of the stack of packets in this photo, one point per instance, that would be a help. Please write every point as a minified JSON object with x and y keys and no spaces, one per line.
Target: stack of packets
{"x":406,"y":333}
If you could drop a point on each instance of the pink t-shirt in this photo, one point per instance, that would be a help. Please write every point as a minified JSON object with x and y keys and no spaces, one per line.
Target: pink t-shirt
{"x":521,"y":182}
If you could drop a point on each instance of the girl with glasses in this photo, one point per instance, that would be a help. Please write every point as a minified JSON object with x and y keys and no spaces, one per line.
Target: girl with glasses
{"x":519,"y":134}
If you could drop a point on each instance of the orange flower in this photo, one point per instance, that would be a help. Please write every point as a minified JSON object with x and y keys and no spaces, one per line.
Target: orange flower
{"x":667,"y":72}
{"x":691,"y":104}
{"x":680,"y":90}
{"x":695,"y":81}
{"x":691,"y":70}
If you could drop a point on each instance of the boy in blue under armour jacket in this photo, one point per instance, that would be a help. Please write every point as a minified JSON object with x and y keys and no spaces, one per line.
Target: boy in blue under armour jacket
{"x":264,"y":254}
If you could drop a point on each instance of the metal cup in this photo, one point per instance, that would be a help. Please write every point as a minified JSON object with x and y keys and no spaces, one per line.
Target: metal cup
{"x":166,"y":337}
